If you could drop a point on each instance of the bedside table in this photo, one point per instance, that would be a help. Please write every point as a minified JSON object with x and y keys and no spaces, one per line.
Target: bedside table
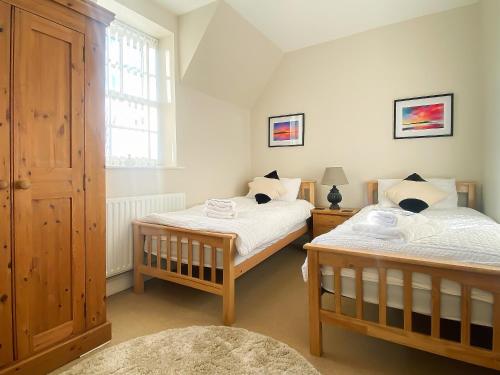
{"x":324,"y":219}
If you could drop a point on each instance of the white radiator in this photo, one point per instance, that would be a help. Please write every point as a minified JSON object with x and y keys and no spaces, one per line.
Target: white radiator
{"x":120,"y":212}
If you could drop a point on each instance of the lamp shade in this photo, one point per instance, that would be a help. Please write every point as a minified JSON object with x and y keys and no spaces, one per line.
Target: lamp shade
{"x":334,"y":176}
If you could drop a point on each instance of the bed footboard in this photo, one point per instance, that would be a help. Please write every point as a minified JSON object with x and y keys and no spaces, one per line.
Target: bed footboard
{"x":158,"y":252}
{"x":468,"y":277}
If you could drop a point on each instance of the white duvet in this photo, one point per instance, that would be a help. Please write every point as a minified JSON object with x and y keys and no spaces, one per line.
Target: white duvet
{"x":468,"y":236}
{"x":254,"y":226}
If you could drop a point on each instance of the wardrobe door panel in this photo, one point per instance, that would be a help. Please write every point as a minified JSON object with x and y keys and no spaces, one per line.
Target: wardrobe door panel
{"x":48,"y":182}
{"x":6,"y":349}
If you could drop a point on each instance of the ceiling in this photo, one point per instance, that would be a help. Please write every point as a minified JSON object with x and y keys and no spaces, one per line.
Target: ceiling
{"x":295,"y":24}
{"x":183,"y":6}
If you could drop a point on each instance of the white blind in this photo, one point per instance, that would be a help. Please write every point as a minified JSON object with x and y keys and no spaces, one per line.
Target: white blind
{"x":131,"y":97}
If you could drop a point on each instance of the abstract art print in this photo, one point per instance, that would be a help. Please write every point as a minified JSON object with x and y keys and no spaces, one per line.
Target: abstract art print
{"x":422,"y":117}
{"x":286,"y":130}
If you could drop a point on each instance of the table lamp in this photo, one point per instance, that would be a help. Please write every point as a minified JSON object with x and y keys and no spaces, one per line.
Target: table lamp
{"x":334,"y":176}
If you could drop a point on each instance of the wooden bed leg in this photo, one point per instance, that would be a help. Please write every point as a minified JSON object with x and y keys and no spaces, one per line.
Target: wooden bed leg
{"x":138,"y":252}
{"x":138,"y":282}
{"x":228,"y":304}
{"x":228,"y":307}
{"x":315,"y":329}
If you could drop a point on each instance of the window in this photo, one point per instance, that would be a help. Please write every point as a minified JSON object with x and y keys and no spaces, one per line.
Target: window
{"x":132,"y":97}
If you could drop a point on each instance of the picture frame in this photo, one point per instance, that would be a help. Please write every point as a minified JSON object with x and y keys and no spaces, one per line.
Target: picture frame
{"x":423,"y":117}
{"x":286,"y":130}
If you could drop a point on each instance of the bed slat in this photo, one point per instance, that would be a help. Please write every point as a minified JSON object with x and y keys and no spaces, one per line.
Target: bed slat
{"x":359,"y":292}
{"x":407,"y":296}
{"x":214,"y":263}
{"x":465,"y":315}
{"x":179,"y":254}
{"x":158,"y":252}
{"x":190,"y":257}
{"x":201,"y":266}
{"x":149,"y":249}
{"x":436,"y":307}
{"x":169,"y":250}
{"x":382,"y":296}
{"x":338,"y":289}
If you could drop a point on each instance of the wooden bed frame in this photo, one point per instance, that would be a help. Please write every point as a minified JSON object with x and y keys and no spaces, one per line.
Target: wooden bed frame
{"x":468,"y":276}
{"x":208,"y":279}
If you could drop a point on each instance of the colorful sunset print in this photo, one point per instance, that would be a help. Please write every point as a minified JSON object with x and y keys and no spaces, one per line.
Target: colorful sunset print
{"x":286,"y":131}
{"x":423,"y":117}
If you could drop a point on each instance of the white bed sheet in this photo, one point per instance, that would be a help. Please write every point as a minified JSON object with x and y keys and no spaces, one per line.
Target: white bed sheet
{"x":255,"y":225}
{"x":468,"y":237}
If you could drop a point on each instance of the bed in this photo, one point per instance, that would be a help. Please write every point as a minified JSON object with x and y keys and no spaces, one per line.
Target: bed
{"x":439,"y":294}
{"x":178,"y":238}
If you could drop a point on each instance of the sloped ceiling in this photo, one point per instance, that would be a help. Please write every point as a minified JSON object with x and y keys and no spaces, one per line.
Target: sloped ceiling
{"x":192,"y":28}
{"x":229,"y":58}
{"x":295,"y":24}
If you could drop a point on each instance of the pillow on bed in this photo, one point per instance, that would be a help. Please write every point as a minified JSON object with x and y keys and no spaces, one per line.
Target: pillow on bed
{"x":448,"y":185}
{"x":292,"y":187}
{"x":270,"y":187}
{"x":273,"y":174}
{"x":415,"y":194}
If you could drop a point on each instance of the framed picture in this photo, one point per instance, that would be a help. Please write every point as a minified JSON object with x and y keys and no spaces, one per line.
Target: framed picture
{"x":286,"y":130}
{"x":423,"y":117}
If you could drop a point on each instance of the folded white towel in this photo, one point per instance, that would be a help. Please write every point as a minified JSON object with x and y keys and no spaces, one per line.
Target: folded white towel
{"x":384,"y":218}
{"x":408,"y":229}
{"x":223,"y":205}
{"x":219,"y":214}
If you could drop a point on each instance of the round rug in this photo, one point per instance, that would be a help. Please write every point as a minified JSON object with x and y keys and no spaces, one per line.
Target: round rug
{"x":196,"y":350}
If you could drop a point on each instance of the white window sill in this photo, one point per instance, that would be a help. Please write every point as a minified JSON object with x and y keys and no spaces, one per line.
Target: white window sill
{"x":154,"y":168}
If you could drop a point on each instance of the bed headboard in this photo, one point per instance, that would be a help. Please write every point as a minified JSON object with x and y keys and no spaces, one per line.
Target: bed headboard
{"x":468,"y":188}
{"x":308,"y":191}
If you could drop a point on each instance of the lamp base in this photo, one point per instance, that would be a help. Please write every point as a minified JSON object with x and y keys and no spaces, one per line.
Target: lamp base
{"x":334,"y":197}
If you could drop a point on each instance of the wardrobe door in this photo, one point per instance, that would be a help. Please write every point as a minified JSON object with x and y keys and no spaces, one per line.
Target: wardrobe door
{"x":6,"y":349}
{"x":48,"y":159}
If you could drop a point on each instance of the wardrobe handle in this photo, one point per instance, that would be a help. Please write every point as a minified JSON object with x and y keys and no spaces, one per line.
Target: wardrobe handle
{"x":3,"y":185}
{"x":23,"y":184}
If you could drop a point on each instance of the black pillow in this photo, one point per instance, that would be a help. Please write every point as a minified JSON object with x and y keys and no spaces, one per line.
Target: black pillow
{"x":262,"y":198}
{"x":414,"y":177}
{"x":273,"y":174}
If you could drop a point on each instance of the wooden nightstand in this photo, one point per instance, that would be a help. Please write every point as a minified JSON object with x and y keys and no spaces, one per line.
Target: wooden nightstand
{"x":324,"y":219}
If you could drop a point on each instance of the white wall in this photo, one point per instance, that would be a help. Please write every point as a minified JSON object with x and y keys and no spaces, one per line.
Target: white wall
{"x":490,"y":21}
{"x":346,"y":89}
{"x":213,"y":150}
{"x":212,"y":141}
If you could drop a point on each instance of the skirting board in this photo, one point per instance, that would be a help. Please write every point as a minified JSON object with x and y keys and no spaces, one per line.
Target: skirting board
{"x":121,"y":282}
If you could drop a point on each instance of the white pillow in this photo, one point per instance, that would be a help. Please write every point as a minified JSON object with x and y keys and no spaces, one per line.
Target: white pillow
{"x":271,"y":187}
{"x":447,"y":185}
{"x":292,"y":186}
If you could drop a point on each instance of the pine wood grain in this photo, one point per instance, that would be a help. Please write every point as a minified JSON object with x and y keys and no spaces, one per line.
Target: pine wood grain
{"x":48,"y":139}
{"x":95,"y":193}
{"x":6,"y":338}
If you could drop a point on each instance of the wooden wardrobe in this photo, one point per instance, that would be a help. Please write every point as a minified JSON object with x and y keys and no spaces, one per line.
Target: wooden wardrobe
{"x":52,"y":188}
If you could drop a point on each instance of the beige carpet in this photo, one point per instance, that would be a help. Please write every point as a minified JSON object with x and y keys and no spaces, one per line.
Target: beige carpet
{"x":196,"y":350}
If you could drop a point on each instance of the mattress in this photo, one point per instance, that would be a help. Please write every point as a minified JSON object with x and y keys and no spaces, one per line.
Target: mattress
{"x":255,"y":225}
{"x":468,"y":237}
